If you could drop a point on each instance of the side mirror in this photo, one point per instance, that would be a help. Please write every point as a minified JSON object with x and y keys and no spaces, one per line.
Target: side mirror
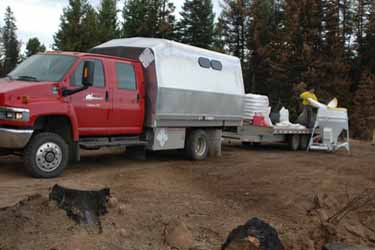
{"x":88,"y":74}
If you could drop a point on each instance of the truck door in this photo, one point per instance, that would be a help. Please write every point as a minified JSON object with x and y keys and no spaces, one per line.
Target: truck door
{"x":127,"y":114}
{"x":92,"y":106}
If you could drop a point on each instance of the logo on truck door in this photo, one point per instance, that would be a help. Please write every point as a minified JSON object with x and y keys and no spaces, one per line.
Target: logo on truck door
{"x":162,"y":137}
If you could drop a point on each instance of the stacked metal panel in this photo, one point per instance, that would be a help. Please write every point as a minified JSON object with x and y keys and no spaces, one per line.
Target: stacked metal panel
{"x":254,"y":104}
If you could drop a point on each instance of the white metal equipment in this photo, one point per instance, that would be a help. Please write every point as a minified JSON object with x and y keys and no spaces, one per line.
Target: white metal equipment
{"x":333,"y":124}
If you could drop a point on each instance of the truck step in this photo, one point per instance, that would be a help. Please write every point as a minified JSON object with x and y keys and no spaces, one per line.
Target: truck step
{"x":98,"y":142}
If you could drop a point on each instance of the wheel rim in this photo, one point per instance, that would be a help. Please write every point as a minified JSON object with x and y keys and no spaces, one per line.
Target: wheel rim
{"x":48,"y":157}
{"x":201,"y":146}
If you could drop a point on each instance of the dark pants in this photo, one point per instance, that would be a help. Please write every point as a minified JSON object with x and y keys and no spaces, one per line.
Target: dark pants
{"x":307,"y":117}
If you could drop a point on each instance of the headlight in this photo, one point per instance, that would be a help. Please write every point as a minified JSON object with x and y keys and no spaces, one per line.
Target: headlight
{"x":14,"y":114}
{"x":19,"y":116}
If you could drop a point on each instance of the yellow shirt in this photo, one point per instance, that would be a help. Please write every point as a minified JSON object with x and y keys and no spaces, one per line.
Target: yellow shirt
{"x":306,"y":95}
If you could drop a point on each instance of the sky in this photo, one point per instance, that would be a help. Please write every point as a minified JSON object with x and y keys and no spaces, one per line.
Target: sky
{"x":41,"y":18}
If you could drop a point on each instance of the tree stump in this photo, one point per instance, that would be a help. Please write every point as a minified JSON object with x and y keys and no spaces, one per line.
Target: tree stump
{"x":254,"y":235}
{"x":84,"y":207}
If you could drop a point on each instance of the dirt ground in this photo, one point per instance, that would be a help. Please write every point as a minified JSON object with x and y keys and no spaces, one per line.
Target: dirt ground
{"x":296,"y":192}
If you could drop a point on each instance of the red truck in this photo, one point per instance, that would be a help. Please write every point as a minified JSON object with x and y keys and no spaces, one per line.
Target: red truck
{"x":148,"y":93}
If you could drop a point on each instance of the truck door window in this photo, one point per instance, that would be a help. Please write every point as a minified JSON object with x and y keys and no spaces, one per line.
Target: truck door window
{"x":76,"y":77}
{"x":126,"y":76}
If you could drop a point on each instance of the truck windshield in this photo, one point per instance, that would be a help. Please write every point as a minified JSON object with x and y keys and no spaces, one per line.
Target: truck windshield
{"x":43,"y":67}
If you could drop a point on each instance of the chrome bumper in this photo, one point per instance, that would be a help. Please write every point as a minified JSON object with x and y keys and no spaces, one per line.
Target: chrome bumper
{"x":14,"y":138}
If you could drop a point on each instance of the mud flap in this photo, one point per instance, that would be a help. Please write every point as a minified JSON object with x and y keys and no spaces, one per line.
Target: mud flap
{"x":214,"y":142}
{"x":75,"y":153}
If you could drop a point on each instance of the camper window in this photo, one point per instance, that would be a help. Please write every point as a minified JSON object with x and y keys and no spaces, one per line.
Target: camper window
{"x":204,"y":62}
{"x":216,"y":65}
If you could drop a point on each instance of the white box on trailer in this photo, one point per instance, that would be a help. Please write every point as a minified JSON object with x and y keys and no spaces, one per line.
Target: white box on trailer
{"x":185,"y":86}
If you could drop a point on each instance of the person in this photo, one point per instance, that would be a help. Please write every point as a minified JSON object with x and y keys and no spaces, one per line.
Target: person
{"x":307,"y":117}
{"x":308,"y":94}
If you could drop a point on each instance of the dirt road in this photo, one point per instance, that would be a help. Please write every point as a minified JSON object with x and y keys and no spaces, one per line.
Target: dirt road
{"x":211,"y":197}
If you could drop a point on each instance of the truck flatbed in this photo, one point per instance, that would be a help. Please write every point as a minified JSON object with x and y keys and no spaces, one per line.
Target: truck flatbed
{"x":288,"y":131}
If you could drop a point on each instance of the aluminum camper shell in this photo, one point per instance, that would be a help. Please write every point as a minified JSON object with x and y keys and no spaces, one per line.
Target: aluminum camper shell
{"x":185,"y":86}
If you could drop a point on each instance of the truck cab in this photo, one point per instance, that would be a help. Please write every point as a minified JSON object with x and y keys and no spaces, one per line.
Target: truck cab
{"x":52,"y":101}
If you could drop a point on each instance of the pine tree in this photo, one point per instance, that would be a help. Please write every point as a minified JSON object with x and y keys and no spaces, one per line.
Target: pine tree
{"x":219,"y":43}
{"x":34,"y":46}
{"x":369,"y":48}
{"x":11,"y":44}
{"x":266,"y":72}
{"x":2,"y":53}
{"x":362,"y":10}
{"x":107,"y":21}
{"x":135,"y":19}
{"x":149,"y":18}
{"x":235,"y":23}
{"x":196,"y":26}
{"x":90,"y":36}
{"x":78,"y":28}
{"x":330,"y":70}
{"x":338,"y":26}
{"x":363,"y":114}
{"x":166,"y":25}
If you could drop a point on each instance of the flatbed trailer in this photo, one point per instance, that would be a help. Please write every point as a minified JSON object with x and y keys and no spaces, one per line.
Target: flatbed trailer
{"x":249,"y":134}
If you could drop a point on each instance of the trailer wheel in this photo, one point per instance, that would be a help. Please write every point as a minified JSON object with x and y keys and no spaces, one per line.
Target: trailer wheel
{"x":304,"y":142}
{"x":197,"y":145}
{"x":46,"y":155}
{"x":294,"y":142}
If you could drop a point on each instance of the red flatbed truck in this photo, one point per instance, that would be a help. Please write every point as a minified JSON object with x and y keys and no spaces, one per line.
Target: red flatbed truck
{"x":149,"y":93}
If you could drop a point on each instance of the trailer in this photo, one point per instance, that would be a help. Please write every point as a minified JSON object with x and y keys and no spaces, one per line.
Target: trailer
{"x":330,"y":131}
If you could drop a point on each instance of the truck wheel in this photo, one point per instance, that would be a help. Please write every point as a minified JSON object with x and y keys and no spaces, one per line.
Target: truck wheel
{"x":294,"y":142}
{"x":46,"y":155}
{"x":197,"y":145}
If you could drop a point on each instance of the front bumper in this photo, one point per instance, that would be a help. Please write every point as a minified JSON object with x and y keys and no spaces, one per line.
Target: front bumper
{"x":14,"y":138}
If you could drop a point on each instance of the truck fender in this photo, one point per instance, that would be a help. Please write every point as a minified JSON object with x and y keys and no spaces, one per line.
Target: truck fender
{"x":67,"y":112}
{"x":74,"y":122}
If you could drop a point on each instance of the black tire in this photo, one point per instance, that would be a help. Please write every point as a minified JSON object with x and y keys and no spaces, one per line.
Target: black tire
{"x":246,"y":144}
{"x":294,"y":142}
{"x":197,"y":146}
{"x":250,"y":144}
{"x":52,"y":159}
